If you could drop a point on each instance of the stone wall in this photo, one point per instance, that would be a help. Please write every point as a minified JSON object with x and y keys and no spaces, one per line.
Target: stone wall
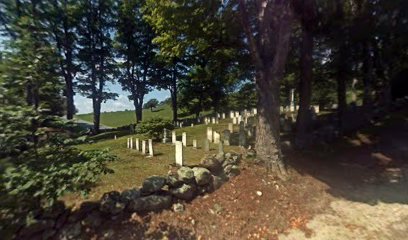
{"x":157,"y":193}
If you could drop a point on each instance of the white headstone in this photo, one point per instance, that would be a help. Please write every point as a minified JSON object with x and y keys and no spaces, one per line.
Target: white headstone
{"x":194,"y":143}
{"x":131,"y":143}
{"x":184,"y":139}
{"x":231,"y":127}
{"x":137,"y":144}
{"x":192,"y":125}
{"x":216,"y":137}
{"x":179,"y":153}
{"x":213,"y":121}
{"x":144,"y":147}
{"x":173,"y":137}
{"x":114,"y":137}
{"x":234,"y":120}
{"x":151,"y":148}
{"x":128,"y":142}
{"x":223,"y":115}
{"x":209,"y":134}
{"x":255,"y":111}
{"x":232,"y":114}
{"x":236,"y":114}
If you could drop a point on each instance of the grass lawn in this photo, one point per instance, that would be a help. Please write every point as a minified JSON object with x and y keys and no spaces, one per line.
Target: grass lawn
{"x":131,"y":167}
{"x":121,"y":118}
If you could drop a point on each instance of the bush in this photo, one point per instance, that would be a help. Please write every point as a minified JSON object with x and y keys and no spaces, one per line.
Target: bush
{"x":154,"y":127}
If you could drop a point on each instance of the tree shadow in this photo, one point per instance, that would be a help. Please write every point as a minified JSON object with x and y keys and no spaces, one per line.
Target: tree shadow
{"x":369,"y":166}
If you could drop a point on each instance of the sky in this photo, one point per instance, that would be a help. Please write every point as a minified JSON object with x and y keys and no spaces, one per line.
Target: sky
{"x":84,"y":105}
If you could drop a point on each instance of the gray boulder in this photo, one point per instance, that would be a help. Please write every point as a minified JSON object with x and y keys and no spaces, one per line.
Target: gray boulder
{"x":150,"y":203}
{"x":173,"y":181}
{"x":111,"y":203}
{"x":202,"y":176}
{"x":129,"y":194}
{"x":210,"y":163}
{"x":185,"y":174}
{"x":153,"y":184}
{"x":185,"y":192}
{"x":232,"y":170}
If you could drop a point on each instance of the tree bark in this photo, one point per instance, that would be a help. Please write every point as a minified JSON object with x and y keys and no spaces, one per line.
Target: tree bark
{"x":269,"y":49}
{"x":341,"y":86}
{"x":96,"y":114}
{"x":305,"y":87}
{"x":368,"y":75}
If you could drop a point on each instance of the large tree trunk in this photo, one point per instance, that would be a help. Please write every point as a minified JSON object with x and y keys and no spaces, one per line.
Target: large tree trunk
{"x":139,"y":109}
{"x":305,"y":90}
{"x":269,"y":49}
{"x":173,"y":95}
{"x":267,"y":130}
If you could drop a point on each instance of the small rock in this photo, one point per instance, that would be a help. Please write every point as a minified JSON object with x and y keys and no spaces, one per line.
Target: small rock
{"x":153,"y":184}
{"x":259,"y":193}
{"x":218,"y":208}
{"x":210,"y":163}
{"x":108,"y":234}
{"x":202,"y":176}
{"x":220,"y":157}
{"x":178,"y":207}
{"x":185,"y":192}
{"x":228,"y":155}
{"x":185,"y":174}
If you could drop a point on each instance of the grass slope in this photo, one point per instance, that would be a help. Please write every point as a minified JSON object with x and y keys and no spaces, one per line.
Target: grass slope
{"x":121,"y":118}
{"x":131,"y":167}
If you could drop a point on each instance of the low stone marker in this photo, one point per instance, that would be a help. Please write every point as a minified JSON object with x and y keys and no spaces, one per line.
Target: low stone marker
{"x":179,"y":153}
{"x":195,"y":143}
{"x":144,"y":147}
{"x":220,"y":147}
{"x":234,"y":120}
{"x":151,"y":153}
{"x":232,"y":115}
{"x":114,"y":137}
{"x":231,"y":127}
{"x":216,"y":137}
{"x":213,"y":121}
{"x":131,"y":143}
{"x":209,"y":134}
{"x":192,"y":125}
{"x":173,"y":137}
{"x":226,"y":137}
{"x":137,"y":144}
{"x":128,"y":143}
{"x":184,"y":139}
{"x":206,"y":145}
{"x":165,"y":137}
{"x":223,"y":115}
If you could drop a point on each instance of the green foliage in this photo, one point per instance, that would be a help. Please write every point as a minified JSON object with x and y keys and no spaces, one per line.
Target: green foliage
{"x":152,"y":103}
{"x":53,"y":172}
{"x":154,"y":127}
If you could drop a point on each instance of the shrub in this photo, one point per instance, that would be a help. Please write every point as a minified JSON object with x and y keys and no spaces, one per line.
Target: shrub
{"x":154,"y":127}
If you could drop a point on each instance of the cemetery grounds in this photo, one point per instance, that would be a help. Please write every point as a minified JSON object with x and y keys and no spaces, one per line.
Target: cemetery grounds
{"x":355,"y":188}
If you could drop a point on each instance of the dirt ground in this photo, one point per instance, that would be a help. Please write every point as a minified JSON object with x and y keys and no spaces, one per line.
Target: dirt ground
{"x":354,"y":189}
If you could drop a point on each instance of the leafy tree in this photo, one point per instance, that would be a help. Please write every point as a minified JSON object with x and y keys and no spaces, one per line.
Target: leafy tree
{"x":137,"y":53}
{"x":96,"y":54}
{"x":63,"y":21}
{"x":152,"y":103}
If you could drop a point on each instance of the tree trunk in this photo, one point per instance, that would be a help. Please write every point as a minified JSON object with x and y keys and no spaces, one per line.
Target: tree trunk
{"x":139,"y":109}
{"x":267,"y":130}
{"x":69,"y":92}
{"x":368,"y":76}
{"x":173,"y":95}
{"x":96,"y":114}
{"x":341,"y":86}
{"x":305,"y":90}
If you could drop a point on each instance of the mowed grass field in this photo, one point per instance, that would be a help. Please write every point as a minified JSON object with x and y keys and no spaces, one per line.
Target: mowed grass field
{"x":122,"y":118}
{"x":131,"y":167}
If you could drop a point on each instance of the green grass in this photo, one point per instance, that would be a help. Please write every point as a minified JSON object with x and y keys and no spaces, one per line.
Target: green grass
{"x":131,"y":167}
{"x":122,"y":118}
